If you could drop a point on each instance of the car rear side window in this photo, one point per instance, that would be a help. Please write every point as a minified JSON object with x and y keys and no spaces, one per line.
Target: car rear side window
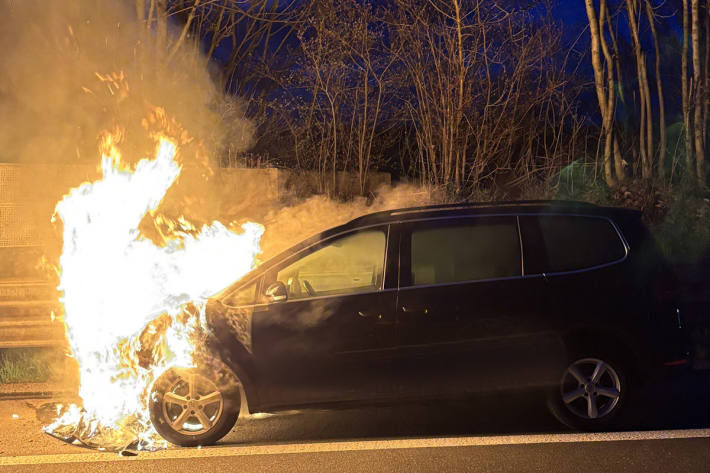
{"x":465,"y":251}
{"x":572,"y":243}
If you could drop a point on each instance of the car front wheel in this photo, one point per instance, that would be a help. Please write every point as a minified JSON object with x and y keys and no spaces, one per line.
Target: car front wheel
{"x":189,"y":407}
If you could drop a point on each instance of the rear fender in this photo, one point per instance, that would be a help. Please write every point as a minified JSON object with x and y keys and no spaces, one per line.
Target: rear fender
{"x":585,"y":340}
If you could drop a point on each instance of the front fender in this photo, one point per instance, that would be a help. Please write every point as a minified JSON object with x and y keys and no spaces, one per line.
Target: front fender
{"x":228,"y":338}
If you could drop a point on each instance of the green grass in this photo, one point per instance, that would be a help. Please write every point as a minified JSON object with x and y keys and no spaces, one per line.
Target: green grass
{"x":28,"y":365}
{"x":684,"y":234}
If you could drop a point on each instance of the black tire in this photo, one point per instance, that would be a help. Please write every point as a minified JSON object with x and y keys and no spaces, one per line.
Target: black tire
{"x":577,"y":412}
{"x":165,"y":412}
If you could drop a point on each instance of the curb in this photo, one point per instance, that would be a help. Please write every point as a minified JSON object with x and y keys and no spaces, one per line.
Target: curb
{"x":19,"y":395}
{"x":15,"y":391}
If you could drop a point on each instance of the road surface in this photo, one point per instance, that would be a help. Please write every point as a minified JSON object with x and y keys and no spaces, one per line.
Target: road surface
{"x":503,"y":433}
{"x":655,"y":451}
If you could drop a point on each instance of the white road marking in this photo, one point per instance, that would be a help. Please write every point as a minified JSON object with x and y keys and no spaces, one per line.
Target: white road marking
{"x":347,"y":446}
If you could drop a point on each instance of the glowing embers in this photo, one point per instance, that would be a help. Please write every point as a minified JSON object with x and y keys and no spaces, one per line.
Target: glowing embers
{"x":125,"y":297}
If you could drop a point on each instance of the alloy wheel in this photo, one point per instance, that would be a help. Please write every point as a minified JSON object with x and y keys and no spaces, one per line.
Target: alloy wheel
{"x":192,"y":404}
{"x":590,"y":388}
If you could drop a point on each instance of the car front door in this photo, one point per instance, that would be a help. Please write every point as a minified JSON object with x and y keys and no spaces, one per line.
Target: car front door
{"x":332,"y":337}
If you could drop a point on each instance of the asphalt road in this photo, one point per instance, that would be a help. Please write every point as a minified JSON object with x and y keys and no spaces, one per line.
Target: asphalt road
{"x":688,"y":452}
{"x":511,"y":432}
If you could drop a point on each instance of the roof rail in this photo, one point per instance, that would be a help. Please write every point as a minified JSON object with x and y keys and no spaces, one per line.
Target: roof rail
{"x":467,"y":205}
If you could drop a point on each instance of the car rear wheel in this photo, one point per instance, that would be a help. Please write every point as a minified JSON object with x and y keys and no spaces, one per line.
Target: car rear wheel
{"x":189,"y":407}
{"x":591,"y":394}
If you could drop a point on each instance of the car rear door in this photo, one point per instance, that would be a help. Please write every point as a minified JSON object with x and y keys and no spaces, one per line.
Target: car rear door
{"x":576,"y":258}
{"x":332,"y":339}
{"x":466,"y":317}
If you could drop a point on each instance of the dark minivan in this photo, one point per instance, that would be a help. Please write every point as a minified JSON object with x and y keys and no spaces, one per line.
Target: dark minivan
{"x":438,"y":302}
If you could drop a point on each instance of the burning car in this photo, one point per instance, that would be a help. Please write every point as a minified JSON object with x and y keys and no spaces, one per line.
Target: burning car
{"x":437,"y":302}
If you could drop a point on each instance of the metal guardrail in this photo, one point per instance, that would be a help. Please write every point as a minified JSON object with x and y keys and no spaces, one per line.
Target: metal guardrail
{"x":26,"y":315}
{"x":26,"y":306}
{"x":16,"y":229}
{"x":13,"y":291}
{"x":9,"y":182}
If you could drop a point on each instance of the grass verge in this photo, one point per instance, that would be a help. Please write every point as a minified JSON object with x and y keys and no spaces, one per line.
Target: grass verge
{"x":28,"y":365}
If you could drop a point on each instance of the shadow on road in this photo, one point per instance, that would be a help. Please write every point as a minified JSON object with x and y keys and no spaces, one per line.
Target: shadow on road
{"x":679,"y":403}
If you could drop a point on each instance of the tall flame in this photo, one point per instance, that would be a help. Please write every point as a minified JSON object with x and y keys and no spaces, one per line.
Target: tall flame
{"x":115,"y":282}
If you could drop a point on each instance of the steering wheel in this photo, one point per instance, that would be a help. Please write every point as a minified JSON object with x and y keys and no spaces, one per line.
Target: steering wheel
{"x":309,"y":288}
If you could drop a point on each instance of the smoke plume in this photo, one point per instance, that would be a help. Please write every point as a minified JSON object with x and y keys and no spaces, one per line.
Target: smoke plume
{"x":75,"y":71}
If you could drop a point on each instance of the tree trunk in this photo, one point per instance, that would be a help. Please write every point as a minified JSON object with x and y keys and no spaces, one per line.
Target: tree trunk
{"x":161,"y":13}
{"x":459,"y":93}
{"x":140,"y":10}
{"x":645,"y":116}
{"x":183,"y":33}
{"x":685,"y":90}
{"x":618,"y":158}
{"x":599,"y":86}
{"x":706,"y":76}
{"x":659,"y":91}
{"x":698,"y":95}
{"x":611,"y":95}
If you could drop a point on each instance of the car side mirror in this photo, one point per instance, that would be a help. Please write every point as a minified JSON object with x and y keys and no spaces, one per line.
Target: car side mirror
{"x":276,"y":292}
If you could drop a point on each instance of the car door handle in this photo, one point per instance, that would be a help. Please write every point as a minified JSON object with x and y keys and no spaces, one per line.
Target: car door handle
{"x":412,"y":309}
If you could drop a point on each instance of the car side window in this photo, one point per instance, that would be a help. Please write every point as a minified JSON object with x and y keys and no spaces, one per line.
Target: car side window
{"x":346,"y":265}
{"x":575,"y":243}
{"x":245,"y":295}
{"x":480,"y":248}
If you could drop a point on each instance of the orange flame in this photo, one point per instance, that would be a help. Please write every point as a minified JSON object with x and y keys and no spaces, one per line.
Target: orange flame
{"x":117,"y":286}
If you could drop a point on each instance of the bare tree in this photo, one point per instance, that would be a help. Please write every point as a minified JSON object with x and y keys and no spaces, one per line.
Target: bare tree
{"x":645,"y":112}
{"x":370,"y":68}
{"x":482,"y":92}
{"x":473,"y":85}
{"x":706,"y":74}
{"x":436,"y":43}
{"x":697,"y":92}
{"x":659,"y":90}
{"x":687,"y":125}
{"x":618,"y":159}
{"x":605,"y":96}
